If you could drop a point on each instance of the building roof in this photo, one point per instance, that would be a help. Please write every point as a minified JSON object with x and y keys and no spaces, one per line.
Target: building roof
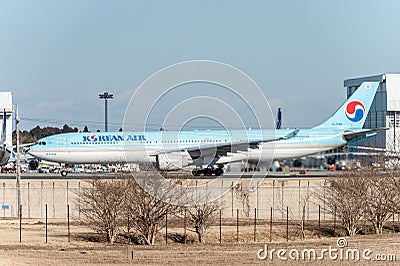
{"x":357,"y":81}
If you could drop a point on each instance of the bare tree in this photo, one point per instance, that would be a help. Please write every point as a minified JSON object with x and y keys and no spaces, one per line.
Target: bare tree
{"x":103,"y":206}
{"x":346,"y":195}
{"x":304,"y":200}
{"x":365,"y":194}
{"x":243,"y":196}
{"x":394,"y":177}
{"x":381,"y":200}
{"x":201,"y":215}
{"x":149,"y":200}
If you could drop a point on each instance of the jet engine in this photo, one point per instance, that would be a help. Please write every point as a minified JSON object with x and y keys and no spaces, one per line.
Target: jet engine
{"x":173,"y":161}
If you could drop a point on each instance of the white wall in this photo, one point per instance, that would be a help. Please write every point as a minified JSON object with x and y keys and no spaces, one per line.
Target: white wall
{"x":393,"y":92}
{"x":6,"y":104}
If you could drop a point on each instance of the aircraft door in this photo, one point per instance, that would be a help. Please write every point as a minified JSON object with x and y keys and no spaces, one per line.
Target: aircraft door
{"x":60,"y":142}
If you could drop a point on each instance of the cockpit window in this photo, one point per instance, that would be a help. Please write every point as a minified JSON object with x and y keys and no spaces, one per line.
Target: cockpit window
{"x":42,"y":143}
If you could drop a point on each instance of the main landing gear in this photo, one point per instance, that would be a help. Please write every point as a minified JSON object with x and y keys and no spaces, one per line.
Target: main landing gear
{"x":208,"y":171}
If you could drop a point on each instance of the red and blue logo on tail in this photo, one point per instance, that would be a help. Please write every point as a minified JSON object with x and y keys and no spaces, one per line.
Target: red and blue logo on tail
{"x":352,"y":114}
{"x":355,"y":111}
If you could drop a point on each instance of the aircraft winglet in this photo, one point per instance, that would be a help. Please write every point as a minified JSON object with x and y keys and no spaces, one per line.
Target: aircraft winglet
{"x":291,"y":134}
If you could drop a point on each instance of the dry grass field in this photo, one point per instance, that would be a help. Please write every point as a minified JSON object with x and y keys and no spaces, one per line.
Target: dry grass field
{"x":87,"y":248}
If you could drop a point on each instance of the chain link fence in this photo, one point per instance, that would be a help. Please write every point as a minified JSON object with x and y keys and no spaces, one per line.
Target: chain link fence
{"x":278,"y":194}
{"x":35,"y":195}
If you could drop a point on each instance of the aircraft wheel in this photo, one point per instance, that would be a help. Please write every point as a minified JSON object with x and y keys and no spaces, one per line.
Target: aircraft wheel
{"x":297,"y":163}
{"x":208,"y":172}
{"x":63,"y":173}
{"x":218,"y":171}
{"x":331,"y":160}
{"x":196,"y":172}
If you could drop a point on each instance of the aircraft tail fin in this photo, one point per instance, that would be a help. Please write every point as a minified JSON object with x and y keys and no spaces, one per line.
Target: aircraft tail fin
{"x":354,"y":111}
{"x":279,"y":119}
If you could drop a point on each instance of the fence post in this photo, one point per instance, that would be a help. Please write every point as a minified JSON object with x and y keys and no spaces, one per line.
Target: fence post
{"x":393,"y":223}
{"x":257,"y":208}
{"x":364,"y":227}
{"x":332,"y":193}
{"x":237,"y":225}
{"x":197,"y":191}
{"x":166,"y":228}
{"x":46,"y":223}
{"x":270,"y":226}
{"x":283,"y":214}
{"x":17,"y":198}
{"x":222,"y":193}
{"x":255,"y":224}
{"x":69,"y":230}
{"x":308,"y":198}
{"x":273,"y":194}
{"x":67,"y":193}
{"x":29,"y":201}
{"x":79,"y":199}
{"x":319,"y":221}
{"x":184,"y":227}
{"x":54,"y":201}
{"x":324,"y":199}
{"x":287,"y":223}
{"x":232,"y":198}
{"x":129,"y":229}
{"x":334,"y":222}
{"x":41,"y":199}
{"x":4,"y":198}
{"x":220,"y":226}
{"x":20,"y":223}
{"x":299,"y":200}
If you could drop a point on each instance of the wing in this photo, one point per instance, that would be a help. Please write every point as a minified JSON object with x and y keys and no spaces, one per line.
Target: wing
{"x":222,"y":149}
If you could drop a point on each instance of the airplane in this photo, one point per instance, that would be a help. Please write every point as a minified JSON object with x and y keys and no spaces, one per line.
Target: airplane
{"x":210,"y":150}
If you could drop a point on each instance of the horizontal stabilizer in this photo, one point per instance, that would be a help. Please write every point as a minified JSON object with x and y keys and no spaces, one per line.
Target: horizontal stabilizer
{"x":350,"y":135}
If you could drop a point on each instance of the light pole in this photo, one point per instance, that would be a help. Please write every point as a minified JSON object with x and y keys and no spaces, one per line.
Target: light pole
{"x":106,"y":96}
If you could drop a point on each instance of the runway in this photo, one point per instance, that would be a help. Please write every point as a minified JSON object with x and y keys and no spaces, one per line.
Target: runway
{"x":83,"y":176}
{"x":74,"y":176}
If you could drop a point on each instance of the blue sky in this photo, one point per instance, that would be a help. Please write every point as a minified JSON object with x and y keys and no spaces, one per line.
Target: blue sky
{"x":57,"y":56}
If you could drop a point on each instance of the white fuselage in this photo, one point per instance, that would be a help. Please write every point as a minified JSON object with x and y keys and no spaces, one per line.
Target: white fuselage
{"x":104,"y":148}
